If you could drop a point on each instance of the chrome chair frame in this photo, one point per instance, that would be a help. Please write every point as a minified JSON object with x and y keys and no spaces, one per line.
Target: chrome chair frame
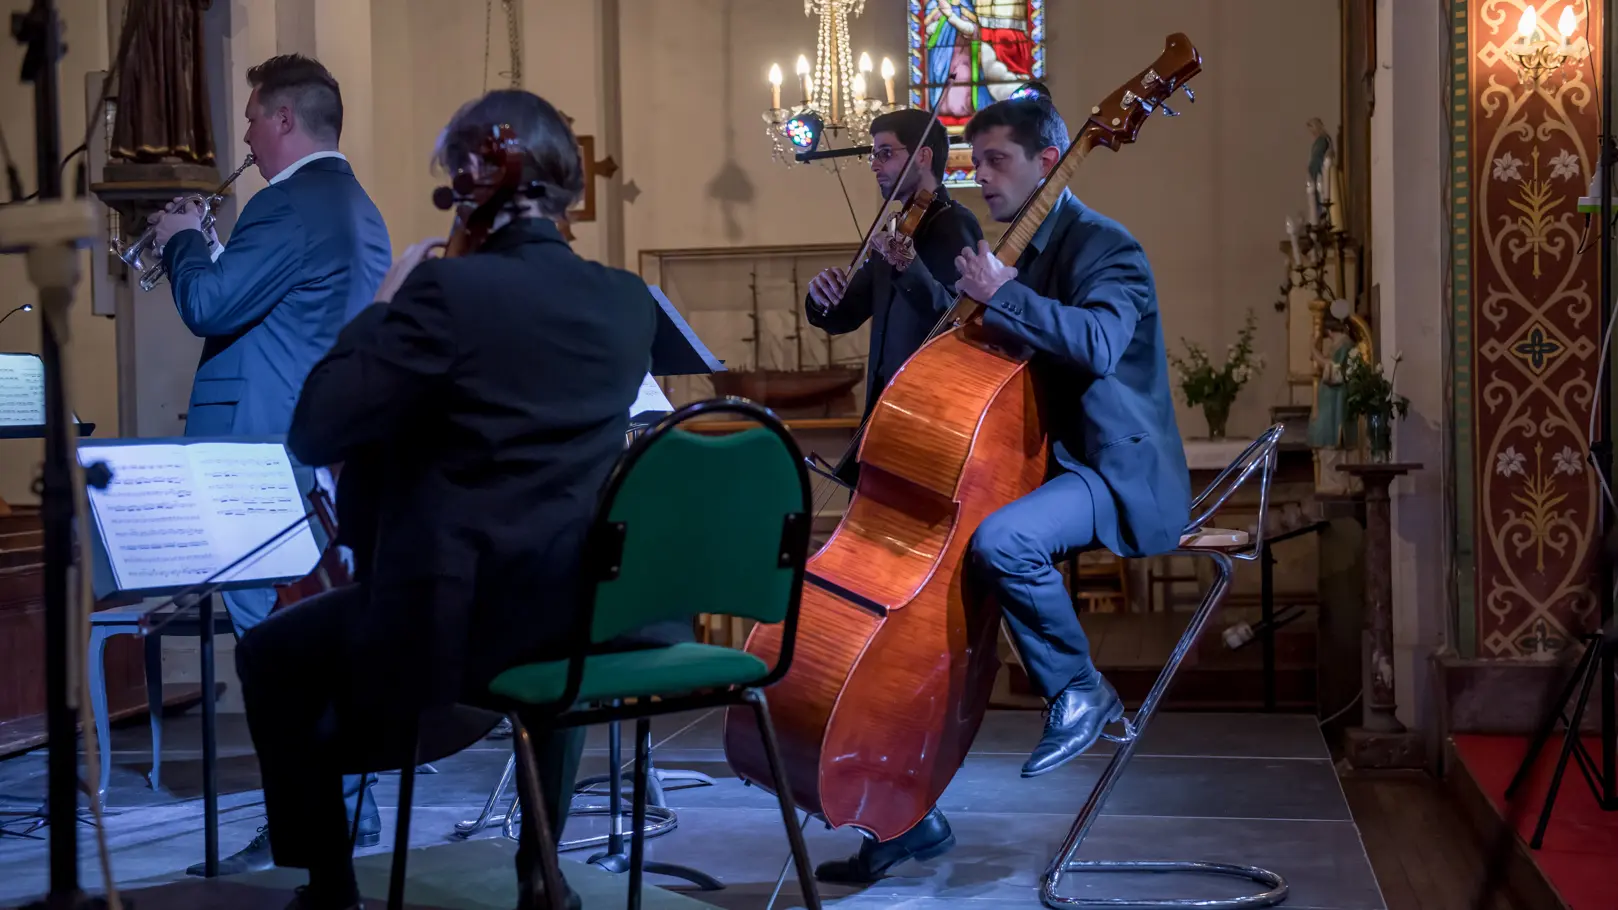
{"x":1260,"y":457}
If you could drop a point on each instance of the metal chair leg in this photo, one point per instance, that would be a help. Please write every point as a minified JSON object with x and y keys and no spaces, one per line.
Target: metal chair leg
{"x":1064,"y":863}
{"x":401,"y":837}
{"x":789,"y":812}
{"x":538,"y":838}
{"x":487,"y":816}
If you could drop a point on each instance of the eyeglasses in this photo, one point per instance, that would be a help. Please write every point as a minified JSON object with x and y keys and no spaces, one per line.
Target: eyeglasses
{"x":885,"y":154}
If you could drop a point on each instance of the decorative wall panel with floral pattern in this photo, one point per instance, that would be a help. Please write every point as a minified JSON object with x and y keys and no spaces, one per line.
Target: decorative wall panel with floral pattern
{"x":1526,"y":337}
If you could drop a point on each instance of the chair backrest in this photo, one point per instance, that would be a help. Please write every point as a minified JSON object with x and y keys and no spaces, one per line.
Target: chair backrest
{"x":694,"y":523}
{"x":1260,"y":457}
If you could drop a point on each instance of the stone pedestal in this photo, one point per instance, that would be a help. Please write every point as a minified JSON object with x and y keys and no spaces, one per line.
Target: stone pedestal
{"x":1381,"y":741}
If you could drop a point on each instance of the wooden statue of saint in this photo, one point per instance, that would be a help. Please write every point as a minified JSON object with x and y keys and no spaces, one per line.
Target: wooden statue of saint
{"x":162,"y":113}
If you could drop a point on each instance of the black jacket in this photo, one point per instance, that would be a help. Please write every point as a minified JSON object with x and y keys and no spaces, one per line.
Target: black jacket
{"x":479,"y":414}
{"x":903,"y":306}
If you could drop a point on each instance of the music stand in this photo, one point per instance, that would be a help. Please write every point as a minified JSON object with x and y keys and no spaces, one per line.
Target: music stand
{"x":104,"y":585}
{"x":22,"y":378}
{"x":676,"y":351}
{"x":27,"y":365}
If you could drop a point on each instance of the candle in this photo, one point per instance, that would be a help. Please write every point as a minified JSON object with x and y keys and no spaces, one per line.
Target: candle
{"x":859,"y":86}
{"x":803,"y":78}
{"x":775,"y":86}
{"x":1325,"y":180}
{"x":1292,"y":233}
{"x":887,"y":77}
{"x":1309,"y":186}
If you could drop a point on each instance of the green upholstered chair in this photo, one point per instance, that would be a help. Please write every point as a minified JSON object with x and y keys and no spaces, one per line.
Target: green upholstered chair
{"x":687,"y":524}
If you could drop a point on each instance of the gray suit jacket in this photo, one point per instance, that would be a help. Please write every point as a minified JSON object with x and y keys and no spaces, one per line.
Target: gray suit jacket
{"x":1085,"y":302}
{"x":306,"y":255}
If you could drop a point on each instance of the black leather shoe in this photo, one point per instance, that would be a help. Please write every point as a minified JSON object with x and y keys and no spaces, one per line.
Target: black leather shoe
{"x":929,"y":839}
{"x":571,"y":900}
{"x":304,"y":899}
{"x":1075,"y":720}
{"x":255,"y":857}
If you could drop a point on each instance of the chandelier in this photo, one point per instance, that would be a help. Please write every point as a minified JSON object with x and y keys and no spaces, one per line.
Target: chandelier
{"x":1537,"y":56}
{"x":834,"y":94}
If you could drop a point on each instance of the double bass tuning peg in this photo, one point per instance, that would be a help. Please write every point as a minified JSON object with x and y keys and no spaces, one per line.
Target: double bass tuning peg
{"x":1168,"y":111}
{"x":1190,"y":95}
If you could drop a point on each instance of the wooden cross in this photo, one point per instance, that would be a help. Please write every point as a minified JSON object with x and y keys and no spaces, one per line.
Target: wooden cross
{"x":585,"y":210}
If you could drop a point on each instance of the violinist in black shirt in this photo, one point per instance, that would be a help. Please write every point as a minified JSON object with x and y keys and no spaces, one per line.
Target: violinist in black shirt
{"x":907,"y":283}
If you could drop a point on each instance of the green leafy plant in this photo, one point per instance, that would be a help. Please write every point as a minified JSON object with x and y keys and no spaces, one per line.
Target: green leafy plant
{"x":1368,"y":392}
{"x":1202,"y":383}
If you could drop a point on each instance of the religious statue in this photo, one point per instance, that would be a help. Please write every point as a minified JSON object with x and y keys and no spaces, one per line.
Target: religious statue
{"x":1331,"y":433}
{"x":985,"y":44}
{"x":162,"y":109}
{"x":1325,"y":187}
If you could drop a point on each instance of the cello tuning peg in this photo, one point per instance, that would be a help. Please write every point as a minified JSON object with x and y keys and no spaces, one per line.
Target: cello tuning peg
{"x":1190,"y":95}
{"x":1169,"y":111}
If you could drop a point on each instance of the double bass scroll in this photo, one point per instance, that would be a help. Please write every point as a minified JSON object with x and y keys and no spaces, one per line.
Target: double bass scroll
{"x":894,"y":662}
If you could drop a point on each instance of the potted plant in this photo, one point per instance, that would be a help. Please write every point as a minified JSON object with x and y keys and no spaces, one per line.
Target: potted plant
{"x":1215,"y":388}
{"x":1369,"y":395}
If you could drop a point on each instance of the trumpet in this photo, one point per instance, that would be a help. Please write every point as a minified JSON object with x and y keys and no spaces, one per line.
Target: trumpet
{"x":144,"y":256}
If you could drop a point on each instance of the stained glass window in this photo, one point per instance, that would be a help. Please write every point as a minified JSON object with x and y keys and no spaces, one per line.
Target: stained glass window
{"x":991,"y":46}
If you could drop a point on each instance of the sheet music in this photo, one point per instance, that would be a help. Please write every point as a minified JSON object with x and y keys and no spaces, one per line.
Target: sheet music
{"x":175,"y":515}
{"x":650,"y":397}
{"x":22,"y":390}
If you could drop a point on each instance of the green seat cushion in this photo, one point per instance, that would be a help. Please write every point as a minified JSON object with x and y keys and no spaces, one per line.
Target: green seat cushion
{"x":668,"y":671}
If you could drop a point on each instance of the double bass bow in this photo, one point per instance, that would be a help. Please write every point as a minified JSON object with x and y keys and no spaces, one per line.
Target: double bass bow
{"x":894,"y":663}
{"x":478,"y":201}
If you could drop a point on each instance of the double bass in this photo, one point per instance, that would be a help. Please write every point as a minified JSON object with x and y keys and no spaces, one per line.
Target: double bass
{"x":478,"y":202}
{"x":894,"y":660}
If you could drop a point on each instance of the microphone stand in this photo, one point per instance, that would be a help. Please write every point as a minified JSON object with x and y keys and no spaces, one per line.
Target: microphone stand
{"x":51,"y":232}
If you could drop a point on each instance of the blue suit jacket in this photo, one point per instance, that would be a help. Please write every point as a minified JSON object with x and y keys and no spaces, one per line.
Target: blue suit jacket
{"x":306,"y":255}
{"x":1087,"y":305}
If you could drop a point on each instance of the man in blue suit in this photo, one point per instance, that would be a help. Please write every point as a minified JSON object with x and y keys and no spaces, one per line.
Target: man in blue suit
{"x":308,"y":252}
{"x":1082,"y":299}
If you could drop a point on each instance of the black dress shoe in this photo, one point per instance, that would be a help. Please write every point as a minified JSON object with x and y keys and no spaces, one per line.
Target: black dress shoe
{"x":255,"y":857}
{"x":1077,"y":717}
{"x":570,"y":900}
{"x":305,"y":899}
{"x":929,"y":839}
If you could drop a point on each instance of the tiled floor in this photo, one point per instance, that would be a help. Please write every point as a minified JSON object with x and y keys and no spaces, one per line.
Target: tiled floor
{"x":1248,"y":789}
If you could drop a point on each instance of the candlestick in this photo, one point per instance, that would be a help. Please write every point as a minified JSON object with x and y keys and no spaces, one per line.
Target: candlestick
{"x":803,"y":78}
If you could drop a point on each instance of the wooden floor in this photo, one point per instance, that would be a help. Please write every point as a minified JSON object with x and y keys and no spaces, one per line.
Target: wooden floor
{"x":1424,"y":854}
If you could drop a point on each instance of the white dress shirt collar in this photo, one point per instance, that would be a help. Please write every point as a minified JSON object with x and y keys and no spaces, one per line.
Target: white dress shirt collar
{"x":294,"y":166}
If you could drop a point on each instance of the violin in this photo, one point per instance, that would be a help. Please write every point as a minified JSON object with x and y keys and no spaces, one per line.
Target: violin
{"x":478,"y":201}
{"x":894,"y":662}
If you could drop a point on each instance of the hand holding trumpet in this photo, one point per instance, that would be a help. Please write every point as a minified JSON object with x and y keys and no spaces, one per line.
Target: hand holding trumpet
{"x":183,"y":214}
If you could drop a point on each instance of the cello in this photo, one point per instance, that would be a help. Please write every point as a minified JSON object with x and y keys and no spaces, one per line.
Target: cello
{"x":478,"y":204}
{"x":893,"y":661}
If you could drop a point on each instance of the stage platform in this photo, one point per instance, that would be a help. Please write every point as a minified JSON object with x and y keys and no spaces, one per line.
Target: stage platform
{"x":1240,"y":788}
{"x":1574,"y":866}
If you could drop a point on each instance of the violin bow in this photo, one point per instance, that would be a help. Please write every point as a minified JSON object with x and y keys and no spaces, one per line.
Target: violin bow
{"x":882,"y":213}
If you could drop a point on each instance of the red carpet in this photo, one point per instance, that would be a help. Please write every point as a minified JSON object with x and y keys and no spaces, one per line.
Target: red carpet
{"x":1580,"y":853}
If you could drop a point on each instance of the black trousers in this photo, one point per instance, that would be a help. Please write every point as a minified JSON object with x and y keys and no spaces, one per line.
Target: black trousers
{"x":300,"y":689}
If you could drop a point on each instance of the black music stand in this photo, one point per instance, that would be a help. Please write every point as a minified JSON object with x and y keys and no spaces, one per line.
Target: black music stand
{"x":38,"y":816}
{"x":676,"y":351}
{"x":104,"y":586}
{"x":34,"y":430}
